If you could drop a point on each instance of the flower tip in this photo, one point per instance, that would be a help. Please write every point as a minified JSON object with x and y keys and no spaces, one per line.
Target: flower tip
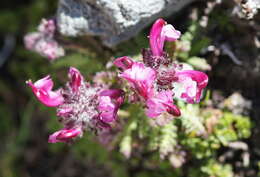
{"x":175,"y":111}
{"x":160,"y":21}
{"x":123,"y":62}
{"x":28,"y":82}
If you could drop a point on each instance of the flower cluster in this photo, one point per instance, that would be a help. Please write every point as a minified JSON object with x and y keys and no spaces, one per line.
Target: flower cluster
{"x":80,"y":105}
{"x":157,"y":80}
{"x":43,"y":41}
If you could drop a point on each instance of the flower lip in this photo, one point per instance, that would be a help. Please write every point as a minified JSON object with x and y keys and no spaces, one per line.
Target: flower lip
{"x":192,"y":83}
{"x":42,"y":89}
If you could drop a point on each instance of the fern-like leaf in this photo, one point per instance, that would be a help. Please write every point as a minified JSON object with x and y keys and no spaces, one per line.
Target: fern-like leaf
{"x":191,"y":120}
{"x":167,"y":139}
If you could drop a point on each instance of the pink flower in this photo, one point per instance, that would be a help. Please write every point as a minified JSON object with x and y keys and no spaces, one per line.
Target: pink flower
{"x":42,"y":89}
{"x":76,"y":79}
{"x":141,"y":78}
{"x":109,"y":103}
{"x":81,"y":106}
{"x":160,"y":33}
{"x":43,"y":41}
{"x":65,"y":135}
{"x":123,"y":62}
{"x":189,"y":85}
{"x":162,"y":102}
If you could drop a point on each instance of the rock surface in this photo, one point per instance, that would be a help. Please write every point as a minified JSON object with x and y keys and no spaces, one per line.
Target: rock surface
{"x":112,"y":20}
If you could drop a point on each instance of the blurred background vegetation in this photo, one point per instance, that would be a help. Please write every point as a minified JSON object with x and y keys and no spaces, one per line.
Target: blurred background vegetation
{"x":218,"y":138}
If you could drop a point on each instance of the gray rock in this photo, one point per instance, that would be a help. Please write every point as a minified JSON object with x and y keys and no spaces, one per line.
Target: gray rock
{"x":113,"y":20}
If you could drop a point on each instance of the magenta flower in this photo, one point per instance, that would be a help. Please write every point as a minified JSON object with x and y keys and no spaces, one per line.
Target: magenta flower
{"x":65,"y":135}
{"x":189,"y":85}
{"x":109,"y":103}
{"x":158,"y":80}
{"x":141,"y":78}
{"x":42,"y":89}
{"x":162,"y":102}
{"x":81,"y":106}
{"x":160,"y":33}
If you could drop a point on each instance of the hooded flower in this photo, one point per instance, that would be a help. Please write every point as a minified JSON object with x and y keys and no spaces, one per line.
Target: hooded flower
{"x":42,"y":89}
{"x":189,"y":85}
{"x":160,"y":33}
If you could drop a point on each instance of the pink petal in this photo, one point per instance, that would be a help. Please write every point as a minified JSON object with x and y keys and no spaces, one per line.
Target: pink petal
{"x":65,"y":135}
{"x":45,"y":83}
{"x":116,"y":94}
{"x":141,"y":78}
{"x":170,"y":33}
{"x":155,"y":37}
{"x":42,"y":89}
{"x":162,"y":102}
{"x":107,"y":108}
{"x":109,"y":103}
{"x":188,"y":76}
